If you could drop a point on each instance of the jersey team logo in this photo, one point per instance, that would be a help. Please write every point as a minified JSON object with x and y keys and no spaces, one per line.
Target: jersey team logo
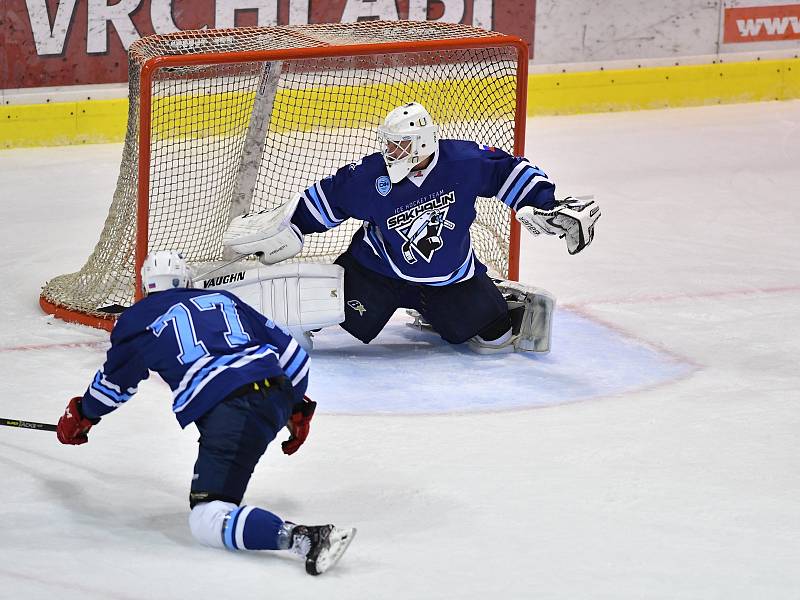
{"x":357,"y":306}
{"x":421,"y":227}
{"x":383,"y":184}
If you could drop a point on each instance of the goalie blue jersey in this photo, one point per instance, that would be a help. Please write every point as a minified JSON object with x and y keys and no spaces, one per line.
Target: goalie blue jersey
{"x":418,"y":229}
{"x":205,"y":345}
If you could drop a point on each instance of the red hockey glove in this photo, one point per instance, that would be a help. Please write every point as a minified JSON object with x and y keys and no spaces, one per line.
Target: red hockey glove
{"x":299,"y":424}
{"x":73,"y":426}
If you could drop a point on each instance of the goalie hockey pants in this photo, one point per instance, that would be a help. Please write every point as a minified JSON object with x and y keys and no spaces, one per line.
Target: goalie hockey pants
{"x":456,"y":312}
{"x":234,"y":435}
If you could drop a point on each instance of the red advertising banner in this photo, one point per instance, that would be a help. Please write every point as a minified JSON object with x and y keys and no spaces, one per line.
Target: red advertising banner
{"x":68,"y":42}
{"x":762,"y":24}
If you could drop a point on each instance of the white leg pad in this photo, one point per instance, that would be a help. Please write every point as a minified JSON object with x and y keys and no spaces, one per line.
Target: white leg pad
{"x":533,"y":331}
{"x":207,"y":520}
{"x":298,"y":297}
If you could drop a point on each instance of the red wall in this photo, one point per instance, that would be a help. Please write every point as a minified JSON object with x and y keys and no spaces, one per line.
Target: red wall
{"x":761,"y":24}
{"x":67,"y":55}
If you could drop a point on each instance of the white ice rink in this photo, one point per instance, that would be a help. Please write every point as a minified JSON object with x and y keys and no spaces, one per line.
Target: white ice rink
{"x":653,"y":454}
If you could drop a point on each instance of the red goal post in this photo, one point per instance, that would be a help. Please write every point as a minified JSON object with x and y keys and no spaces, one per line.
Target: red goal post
{"x":225,"y":121}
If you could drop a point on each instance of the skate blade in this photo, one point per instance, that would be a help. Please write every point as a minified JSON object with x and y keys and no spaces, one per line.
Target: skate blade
{"x":339,"y":540}
{"x":419,"y":322}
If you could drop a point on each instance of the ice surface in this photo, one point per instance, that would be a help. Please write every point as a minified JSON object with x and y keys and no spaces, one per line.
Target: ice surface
{"x":675,"y":476}
{"x":412,"y":371}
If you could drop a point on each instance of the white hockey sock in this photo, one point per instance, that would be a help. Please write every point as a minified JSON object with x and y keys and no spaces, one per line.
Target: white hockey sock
{"x":225,"y":525}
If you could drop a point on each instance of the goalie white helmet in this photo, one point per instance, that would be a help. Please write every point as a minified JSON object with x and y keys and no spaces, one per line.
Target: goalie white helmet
{"x":164,"y":270}
{"x":408,"y":136}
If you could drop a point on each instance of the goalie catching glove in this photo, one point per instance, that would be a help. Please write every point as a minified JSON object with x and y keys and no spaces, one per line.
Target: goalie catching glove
{"x":269,"y":234}
{"x":299,"y":425}
{"x":572,"y":218}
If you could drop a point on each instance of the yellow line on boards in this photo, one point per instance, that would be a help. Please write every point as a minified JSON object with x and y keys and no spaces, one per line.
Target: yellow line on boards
{"x":660,"y":87}
{"x":99,"y":121}
{"x":61,"y":123}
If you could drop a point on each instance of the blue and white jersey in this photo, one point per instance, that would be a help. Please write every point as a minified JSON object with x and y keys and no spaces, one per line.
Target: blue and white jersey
{"x":203,"y":344}
{"x":418,"y":229}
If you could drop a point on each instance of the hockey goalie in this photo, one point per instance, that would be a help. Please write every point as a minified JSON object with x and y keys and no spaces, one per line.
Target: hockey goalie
{"x":416,"y":201}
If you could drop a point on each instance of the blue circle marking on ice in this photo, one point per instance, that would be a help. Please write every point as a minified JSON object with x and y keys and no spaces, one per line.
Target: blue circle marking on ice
{"x":411,"y":371}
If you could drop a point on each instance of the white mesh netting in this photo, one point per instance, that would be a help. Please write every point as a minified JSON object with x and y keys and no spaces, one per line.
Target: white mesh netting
{"x":246,"y":135}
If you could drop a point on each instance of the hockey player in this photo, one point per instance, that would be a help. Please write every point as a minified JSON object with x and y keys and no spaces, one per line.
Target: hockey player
{"x":236,"y":376}
{"x":416,"y":199}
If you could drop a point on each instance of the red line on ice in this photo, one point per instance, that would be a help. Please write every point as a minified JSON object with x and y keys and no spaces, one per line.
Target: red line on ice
{"x":687,"y":296}
{"x":29,"y":347}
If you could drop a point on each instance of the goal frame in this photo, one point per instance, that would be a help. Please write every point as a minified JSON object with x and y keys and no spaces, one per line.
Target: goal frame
{"x":151,"y":65}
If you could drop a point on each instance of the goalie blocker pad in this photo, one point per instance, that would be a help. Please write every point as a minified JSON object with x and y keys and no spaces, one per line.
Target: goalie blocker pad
{"x":269,"y":234}
{"x":299,"y":297}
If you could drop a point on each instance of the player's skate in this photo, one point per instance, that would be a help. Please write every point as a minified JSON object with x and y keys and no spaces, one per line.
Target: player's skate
{"x":321,"y":545}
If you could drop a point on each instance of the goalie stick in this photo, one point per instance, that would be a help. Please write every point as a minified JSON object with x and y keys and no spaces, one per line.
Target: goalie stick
{"x":27,"y":424}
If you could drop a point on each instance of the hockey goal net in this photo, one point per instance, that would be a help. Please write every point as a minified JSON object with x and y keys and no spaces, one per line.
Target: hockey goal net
{"x":222,"y":122}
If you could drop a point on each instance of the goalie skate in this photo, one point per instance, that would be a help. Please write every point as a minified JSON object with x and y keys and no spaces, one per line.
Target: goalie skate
{"x":419,"y":321}
{"x":322,"y":545}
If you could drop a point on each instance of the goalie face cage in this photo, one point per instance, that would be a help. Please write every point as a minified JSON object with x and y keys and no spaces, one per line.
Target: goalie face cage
{"x":222,"y":122}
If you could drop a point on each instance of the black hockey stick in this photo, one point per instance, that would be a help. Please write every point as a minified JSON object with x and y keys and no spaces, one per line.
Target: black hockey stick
{"x":27,"y":424}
